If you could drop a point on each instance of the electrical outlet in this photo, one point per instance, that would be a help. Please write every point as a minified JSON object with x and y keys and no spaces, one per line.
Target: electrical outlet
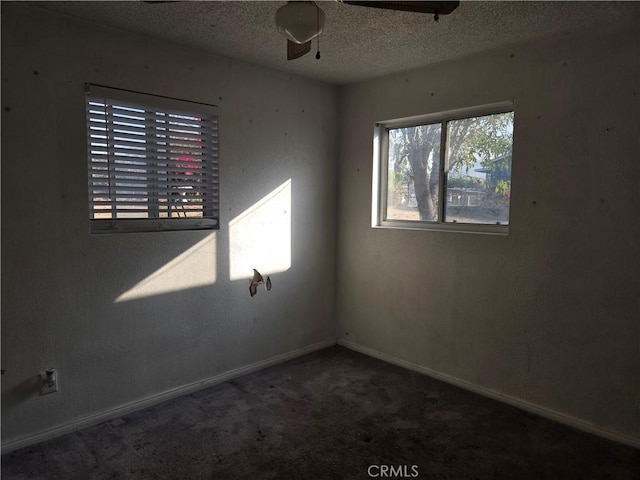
{"x":49,"y":381}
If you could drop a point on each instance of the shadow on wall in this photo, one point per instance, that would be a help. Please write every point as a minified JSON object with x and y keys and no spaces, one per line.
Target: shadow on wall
{"x":260,"y":237}
{"x":21,"y":392}
{"x":193,"y":268}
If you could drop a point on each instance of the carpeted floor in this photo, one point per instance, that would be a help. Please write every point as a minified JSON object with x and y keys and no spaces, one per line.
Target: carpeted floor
{"x":333,"y":414}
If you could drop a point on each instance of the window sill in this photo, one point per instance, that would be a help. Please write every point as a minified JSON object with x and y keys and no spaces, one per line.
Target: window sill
{"x":444,"y":227}
{"x":104,"y":226}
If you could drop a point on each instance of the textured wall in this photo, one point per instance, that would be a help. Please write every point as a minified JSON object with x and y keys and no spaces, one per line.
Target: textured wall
{"x":124,"y":317}
{"x":548,"y":314}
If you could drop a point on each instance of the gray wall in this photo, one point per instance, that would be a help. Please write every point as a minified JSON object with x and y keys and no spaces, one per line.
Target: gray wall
{"x":550,"y":313}
{"x":67,"y":297}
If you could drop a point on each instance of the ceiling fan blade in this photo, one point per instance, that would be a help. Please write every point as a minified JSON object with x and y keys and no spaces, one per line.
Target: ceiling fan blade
{"x":442,"y":8}
{"x":297,"y":50}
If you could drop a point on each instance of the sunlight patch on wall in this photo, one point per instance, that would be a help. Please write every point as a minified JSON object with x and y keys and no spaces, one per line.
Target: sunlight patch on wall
{"x":196,"y":267}
{"x":260,"y":237}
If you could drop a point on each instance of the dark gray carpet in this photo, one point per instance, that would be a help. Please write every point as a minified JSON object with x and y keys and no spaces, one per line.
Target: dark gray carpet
{"x":329,"y":415}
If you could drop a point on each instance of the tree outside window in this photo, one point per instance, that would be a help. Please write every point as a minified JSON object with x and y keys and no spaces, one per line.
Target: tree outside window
{"x":468,"y":182}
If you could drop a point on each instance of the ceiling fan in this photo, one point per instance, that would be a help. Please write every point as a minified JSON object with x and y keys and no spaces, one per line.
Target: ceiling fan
{"x":302,"y":21}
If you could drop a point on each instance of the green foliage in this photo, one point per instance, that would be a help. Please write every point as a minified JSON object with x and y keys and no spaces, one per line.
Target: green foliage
{"x":479,"y":138}
{"x":503,"y":188}
{"x":465,"y":182}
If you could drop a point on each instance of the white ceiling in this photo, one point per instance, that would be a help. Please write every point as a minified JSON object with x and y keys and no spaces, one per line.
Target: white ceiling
{"x":358,"y":43}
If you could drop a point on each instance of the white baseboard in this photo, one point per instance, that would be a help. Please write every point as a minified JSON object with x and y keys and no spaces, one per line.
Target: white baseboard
{"x":120,"y":410}
{"x":487,"y":392}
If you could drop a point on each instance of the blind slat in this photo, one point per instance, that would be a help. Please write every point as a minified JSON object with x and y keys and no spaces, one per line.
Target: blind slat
{"x":104,"y":191}
{"x":128,"y":206}
{"x":149,"y":132}
{"x":171,"y":150}
{"x":100,"y":135}
{"x":103,"y":154}
{"x":133,"y":174}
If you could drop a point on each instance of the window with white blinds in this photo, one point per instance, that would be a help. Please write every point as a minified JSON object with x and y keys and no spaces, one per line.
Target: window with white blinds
{"x":152,"y":162}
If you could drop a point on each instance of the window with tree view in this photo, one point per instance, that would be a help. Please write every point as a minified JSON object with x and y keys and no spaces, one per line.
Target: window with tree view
{"x":456,"y":170}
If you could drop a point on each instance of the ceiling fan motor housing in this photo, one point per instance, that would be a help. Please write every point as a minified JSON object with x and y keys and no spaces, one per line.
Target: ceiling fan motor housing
{"x":300,"y":21}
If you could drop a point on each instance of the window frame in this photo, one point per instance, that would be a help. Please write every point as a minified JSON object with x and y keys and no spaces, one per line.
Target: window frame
{"x":168,"y":107}
{"x":381,"y":169}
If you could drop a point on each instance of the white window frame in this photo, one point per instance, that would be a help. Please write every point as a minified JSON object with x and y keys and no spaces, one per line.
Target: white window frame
{"x":174,"y":184}
{"x":380,"y":170}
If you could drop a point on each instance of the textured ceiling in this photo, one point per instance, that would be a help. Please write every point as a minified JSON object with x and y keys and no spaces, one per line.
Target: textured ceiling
{"x":358,"y":43}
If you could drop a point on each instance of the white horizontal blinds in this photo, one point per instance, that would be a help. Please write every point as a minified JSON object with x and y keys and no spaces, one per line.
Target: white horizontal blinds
{"x":151,"y":158}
